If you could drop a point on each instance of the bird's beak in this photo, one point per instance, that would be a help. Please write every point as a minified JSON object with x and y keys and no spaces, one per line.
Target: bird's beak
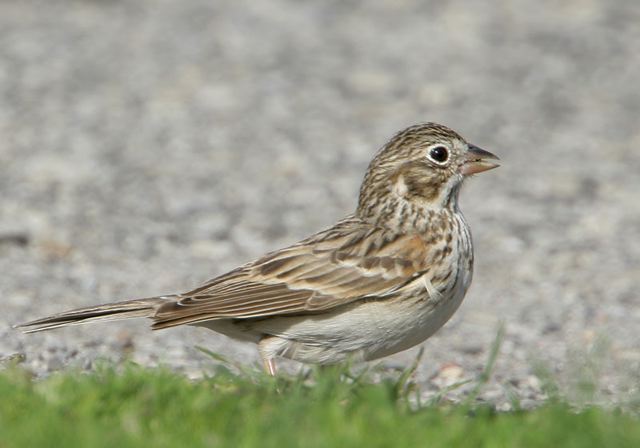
{"x":477,"y":161}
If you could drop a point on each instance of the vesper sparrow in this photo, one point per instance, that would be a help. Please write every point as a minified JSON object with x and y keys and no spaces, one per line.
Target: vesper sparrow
{"x":379,"y":281}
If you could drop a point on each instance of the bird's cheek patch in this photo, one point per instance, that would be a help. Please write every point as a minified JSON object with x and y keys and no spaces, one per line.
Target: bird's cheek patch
{"x":399,"y":185}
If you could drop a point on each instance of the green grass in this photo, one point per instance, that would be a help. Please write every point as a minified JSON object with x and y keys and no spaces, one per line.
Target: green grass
{"x":134,"y":406}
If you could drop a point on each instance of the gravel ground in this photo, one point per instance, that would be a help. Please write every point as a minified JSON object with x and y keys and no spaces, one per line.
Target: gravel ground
{"x":149,"y":145}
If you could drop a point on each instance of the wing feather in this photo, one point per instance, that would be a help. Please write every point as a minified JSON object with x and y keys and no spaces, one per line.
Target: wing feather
{"x":330,"y":269}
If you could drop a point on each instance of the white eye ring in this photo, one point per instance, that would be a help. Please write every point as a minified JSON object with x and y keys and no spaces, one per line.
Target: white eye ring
{"x":438,"y":154}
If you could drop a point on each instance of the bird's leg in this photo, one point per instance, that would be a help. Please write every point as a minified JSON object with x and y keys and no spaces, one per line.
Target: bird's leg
{"x":269,"y":365}
{"x":268,"y":361}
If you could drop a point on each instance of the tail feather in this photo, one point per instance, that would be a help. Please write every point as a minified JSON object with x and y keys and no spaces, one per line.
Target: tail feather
{"x":103,"y":313}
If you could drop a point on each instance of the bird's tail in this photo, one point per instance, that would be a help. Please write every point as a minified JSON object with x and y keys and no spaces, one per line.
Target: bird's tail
{"x":110,"y":311}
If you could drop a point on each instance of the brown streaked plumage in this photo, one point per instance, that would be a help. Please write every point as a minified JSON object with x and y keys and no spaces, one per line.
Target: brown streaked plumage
{"x":377,"y":282}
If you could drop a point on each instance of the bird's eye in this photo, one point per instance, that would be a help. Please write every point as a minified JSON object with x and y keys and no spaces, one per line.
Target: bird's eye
{"x":439,"y":154}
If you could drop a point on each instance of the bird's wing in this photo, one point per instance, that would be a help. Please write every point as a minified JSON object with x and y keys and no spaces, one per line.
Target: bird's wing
{"x":348,"y":262}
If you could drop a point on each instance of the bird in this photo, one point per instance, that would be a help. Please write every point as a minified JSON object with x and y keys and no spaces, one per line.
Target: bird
{"x":379,"y":281}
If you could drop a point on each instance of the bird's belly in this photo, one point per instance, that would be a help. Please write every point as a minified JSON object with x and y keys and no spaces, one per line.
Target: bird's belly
{"x":364,"y":331}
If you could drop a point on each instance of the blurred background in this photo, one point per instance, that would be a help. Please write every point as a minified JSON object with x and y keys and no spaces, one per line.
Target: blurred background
{"x":146,"y":146}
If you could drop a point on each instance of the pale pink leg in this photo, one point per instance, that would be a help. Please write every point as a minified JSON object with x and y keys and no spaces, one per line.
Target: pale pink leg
{"x":270,"y":366}
{"x":268,"y":361}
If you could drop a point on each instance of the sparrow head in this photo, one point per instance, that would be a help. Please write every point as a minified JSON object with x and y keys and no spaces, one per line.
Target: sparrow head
{"x":422,"y":166}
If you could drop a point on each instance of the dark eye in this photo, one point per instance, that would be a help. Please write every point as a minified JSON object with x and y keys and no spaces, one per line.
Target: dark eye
{"x":439,"y":154}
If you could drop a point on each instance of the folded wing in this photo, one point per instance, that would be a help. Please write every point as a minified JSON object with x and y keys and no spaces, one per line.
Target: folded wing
{"x":347,"y":263}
